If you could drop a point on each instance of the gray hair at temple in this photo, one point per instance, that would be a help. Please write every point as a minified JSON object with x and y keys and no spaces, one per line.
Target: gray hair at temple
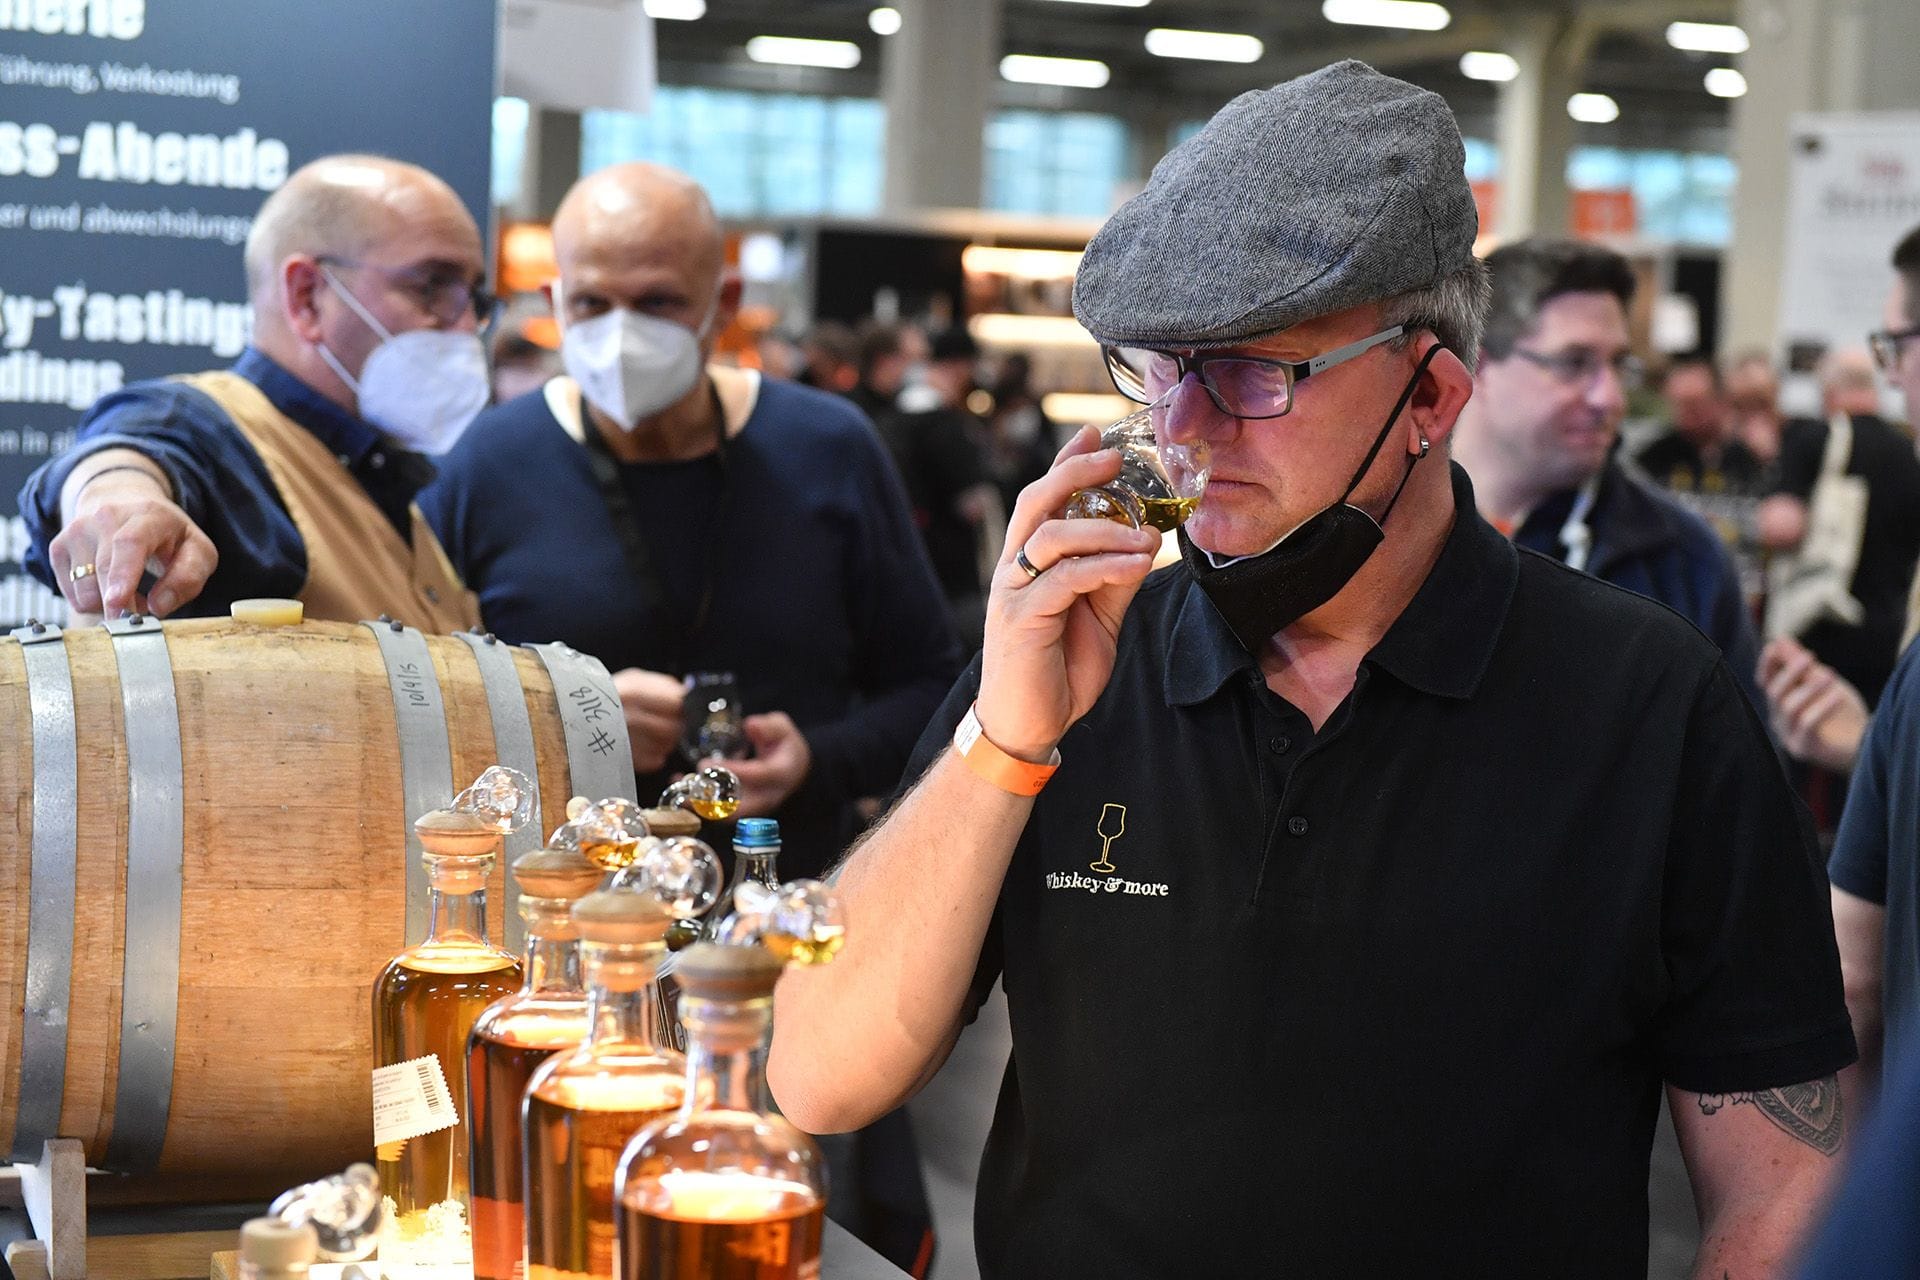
{"x":1528,"y":274}
{"x":1454,"y":307}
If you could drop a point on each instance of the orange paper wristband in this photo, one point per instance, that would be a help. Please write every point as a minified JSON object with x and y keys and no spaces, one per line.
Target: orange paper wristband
{"x":1009,"y":773}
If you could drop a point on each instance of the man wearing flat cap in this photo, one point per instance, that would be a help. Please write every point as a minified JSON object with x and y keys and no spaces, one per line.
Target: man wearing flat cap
{"x":1357,"y":882}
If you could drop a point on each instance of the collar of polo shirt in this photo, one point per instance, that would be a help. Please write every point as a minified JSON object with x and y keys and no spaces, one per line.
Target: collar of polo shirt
{"x":1440,"y":644}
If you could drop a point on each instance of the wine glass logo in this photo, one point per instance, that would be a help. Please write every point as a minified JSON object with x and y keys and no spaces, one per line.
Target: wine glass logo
{"x":1113,"y":824}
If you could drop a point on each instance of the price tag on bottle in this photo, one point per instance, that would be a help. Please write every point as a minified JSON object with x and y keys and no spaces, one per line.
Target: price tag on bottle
{"x":410,"y":1099}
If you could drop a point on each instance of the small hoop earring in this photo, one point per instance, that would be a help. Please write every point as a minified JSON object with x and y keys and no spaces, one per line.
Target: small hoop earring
{"x":1425,"y":445}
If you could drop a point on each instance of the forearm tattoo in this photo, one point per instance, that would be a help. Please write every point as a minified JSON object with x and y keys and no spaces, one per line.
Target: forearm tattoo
{"x":1810,"y":1112}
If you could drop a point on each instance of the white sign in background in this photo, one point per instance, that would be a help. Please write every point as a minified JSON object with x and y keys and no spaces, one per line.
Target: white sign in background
{"x":578,"y":55}
{"x":1854,"y":190}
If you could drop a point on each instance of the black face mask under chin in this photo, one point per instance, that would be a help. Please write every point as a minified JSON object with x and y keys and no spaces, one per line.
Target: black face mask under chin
{"x":1260,"y":596}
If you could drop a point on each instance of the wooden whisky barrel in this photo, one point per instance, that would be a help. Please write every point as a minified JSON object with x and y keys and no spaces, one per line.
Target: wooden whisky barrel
{"x":206,"y":849}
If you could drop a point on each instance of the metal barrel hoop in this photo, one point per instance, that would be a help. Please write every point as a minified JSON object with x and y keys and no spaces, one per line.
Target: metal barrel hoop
{"x":156,"y":840}
{"x":50,"y":899}
{"x":512,"y":747}
{"x":599,"y":759}
{"x":426,"y":756}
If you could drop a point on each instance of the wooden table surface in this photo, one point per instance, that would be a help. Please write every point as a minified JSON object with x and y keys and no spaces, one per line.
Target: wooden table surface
{"x":189,"y":1255}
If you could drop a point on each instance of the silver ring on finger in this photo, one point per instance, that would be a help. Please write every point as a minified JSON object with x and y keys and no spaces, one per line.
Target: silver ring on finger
{"x":1020,"y":558}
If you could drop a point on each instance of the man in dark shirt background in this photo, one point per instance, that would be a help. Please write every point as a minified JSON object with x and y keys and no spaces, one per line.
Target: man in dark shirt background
{"x":669,"y":516}
{"x":1699,"y":452}
{"x":890,"y":353}
{"x":1702,"y":462}
{"x":1881,"y":455}
{"x":937,"y":443}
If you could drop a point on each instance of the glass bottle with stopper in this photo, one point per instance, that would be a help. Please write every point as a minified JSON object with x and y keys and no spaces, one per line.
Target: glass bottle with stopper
{"x":512,"y":1038}
{"x":343,"y":1210}
{"x":424,"y":1003}
{"x":726,"y":1189}
{"x":582,"y":1106}
{"x":1160,"y":481}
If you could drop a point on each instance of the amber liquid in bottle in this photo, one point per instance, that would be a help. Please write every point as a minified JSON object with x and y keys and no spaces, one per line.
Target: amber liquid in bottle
{"x":509,"y":1043}
{"x":583,"y":1107}
{"x":425,"y":1002}
{"x":726,"y":1188}
{"x":722,"y":1227}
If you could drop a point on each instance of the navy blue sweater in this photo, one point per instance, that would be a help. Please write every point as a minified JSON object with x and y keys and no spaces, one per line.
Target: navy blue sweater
{"x":823,"y":602}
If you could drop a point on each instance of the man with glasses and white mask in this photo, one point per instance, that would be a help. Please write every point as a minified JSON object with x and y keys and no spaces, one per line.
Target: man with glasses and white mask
{"x":1357,"y":882}
{"x":293,"y":473}
{"x":1538,"y":438}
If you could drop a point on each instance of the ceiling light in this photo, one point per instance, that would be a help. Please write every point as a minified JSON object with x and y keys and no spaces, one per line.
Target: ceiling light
{"x":1593,"y":108}
{"x":1003,"y":329}
{"x":883,"y":21}
{"x":1073,"y":73}
{"x":1412,"y":15}
{"x":1706,"y":37}
{"x":1085,"y":406}
{"x":795,"y":52}
{"x":675,"y":10}
{"x":1725,"y":82}
{"x":1207,"y":46}
{"x":1489,"y":66}
{"x":1025,"y":264}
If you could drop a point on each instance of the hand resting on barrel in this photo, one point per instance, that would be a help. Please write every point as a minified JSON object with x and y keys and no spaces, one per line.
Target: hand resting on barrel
{"x":118,"y":517}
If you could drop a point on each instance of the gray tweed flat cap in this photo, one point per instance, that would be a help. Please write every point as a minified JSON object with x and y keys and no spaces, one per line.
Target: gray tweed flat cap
{"x":1333,"y":189}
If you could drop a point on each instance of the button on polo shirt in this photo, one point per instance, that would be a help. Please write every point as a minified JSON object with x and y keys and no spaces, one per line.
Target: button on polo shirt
{"x":1398,"y":1001}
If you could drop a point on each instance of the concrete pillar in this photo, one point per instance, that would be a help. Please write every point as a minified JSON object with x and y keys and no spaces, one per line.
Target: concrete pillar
{"x":553,"y":160}
{"x":1805,"y":55}
{"x":937,"y":81}
{"x":1533,"y":129}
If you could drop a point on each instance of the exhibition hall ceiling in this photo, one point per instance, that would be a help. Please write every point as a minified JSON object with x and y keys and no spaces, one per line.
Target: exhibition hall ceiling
{"x":1659,"y":88}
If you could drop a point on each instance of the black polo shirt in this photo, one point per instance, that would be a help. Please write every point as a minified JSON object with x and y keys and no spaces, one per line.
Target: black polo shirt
{"x":1395,"y":998}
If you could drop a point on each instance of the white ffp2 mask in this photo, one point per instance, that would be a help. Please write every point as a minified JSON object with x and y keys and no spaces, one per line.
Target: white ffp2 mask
{"x":630,"y":366}
{"x":422,"y":387}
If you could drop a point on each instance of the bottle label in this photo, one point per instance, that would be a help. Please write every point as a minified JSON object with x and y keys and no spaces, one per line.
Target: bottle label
{"x":410,"y":1099}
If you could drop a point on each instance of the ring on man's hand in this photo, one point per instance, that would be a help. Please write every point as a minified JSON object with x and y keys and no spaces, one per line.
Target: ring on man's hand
{"x":1020,"y":558}
{"x":81,"y":572}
